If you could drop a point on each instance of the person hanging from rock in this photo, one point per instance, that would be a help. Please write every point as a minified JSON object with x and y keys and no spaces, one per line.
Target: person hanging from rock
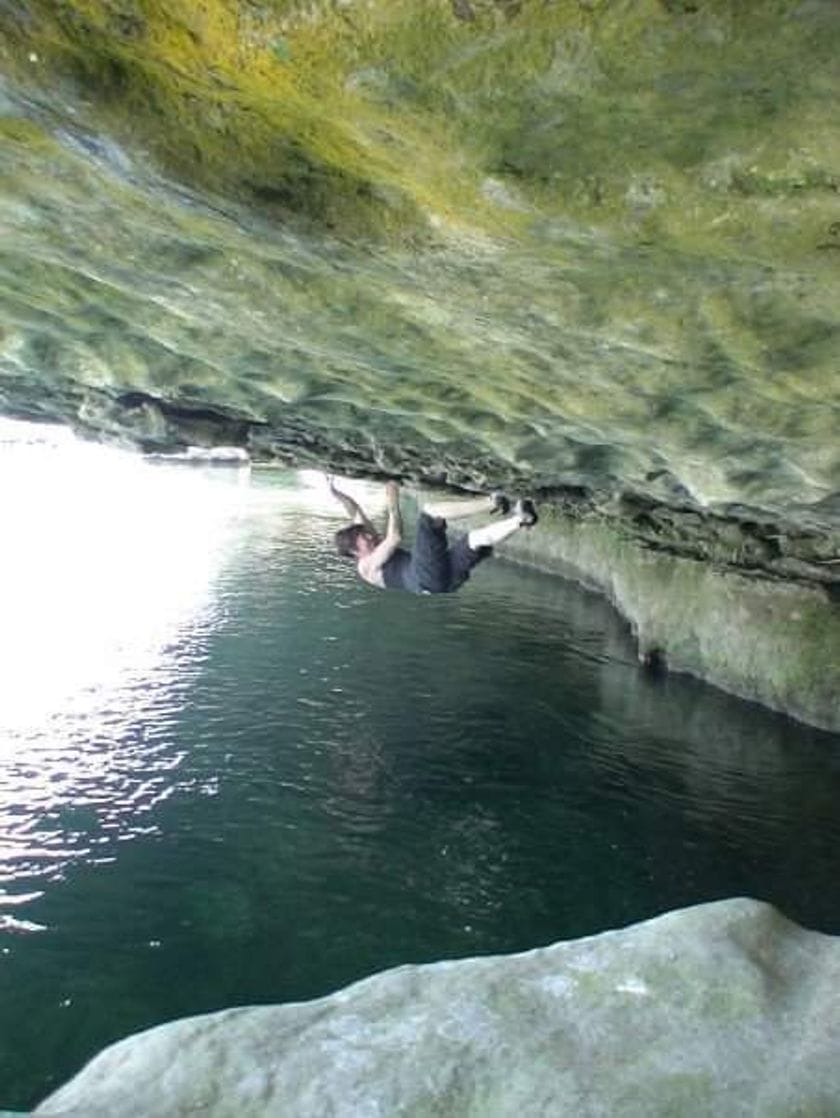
{"x":434,"y":566}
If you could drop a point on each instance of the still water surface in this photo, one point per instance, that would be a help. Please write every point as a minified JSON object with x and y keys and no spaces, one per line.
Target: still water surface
{"x":230,"y":773}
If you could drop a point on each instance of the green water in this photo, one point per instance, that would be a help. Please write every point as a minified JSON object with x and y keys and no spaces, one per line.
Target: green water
{"x":258,"y":779}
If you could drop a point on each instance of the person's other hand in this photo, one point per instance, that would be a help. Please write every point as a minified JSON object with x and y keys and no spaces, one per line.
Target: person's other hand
{"x":392,"y":492}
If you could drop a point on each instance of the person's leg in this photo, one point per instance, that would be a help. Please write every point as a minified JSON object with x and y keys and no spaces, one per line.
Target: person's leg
{"x":470,"y":550}
{"x":456,"y":509}
{"x":430,"y":555}
{"x":524,"y":516}
{"x":491,"y":534}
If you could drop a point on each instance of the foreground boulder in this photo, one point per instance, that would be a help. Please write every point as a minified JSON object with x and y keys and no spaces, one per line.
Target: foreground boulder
{"x":722,"y":1009}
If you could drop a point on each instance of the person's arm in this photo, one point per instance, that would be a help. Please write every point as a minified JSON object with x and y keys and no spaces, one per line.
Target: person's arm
{"x":392,"y":539}
{"x":351,"y":507}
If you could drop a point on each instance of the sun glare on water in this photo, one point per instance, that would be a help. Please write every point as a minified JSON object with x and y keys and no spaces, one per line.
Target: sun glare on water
{"x":106,"y":560}
{"x":107,"y":573}
{"x":111,"y":588}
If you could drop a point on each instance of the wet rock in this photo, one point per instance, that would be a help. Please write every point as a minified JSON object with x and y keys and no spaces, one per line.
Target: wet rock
{"x":763,"y":637}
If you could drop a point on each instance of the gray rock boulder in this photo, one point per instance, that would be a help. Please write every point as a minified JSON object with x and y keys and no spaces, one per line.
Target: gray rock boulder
{"x":722,"y":1009}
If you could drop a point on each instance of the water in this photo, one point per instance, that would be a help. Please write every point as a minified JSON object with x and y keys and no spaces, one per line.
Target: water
{"x":230,"y":773}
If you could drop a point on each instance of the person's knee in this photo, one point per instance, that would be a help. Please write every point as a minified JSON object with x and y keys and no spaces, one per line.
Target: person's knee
{"x":432,"y":516}
{"x":479,"y":538}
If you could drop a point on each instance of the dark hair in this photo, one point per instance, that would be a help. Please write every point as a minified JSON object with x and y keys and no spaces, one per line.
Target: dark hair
{"x":347,"y":539}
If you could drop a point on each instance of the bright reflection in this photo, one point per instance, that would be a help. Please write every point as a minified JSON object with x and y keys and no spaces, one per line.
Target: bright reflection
{"x":110,"y":589}
{"x":107,"y":575}
{"x":313,"y":493}
{"x":106,"y":559}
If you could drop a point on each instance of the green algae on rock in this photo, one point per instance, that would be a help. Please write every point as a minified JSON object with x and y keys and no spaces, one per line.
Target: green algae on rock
{"x":767,"y":639}
{"x":374,"y":112}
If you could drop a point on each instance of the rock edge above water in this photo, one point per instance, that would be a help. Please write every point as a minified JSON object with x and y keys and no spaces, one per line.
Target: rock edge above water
{"x":722,"y":1009}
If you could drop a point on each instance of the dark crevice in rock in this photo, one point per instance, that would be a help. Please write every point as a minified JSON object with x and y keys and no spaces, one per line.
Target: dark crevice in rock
{"x":188,"y":413}
{"x":740,"y":540}
{"x":681,"y":7}
{"x":152,"y":424}
{"x":654,"y":662}
{"x":737,"y":539}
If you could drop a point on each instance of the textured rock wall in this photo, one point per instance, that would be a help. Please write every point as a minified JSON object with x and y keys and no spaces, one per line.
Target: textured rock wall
{"x":762,"y":638}
{"x":722,"y":1009}
{"x":578,"y":243}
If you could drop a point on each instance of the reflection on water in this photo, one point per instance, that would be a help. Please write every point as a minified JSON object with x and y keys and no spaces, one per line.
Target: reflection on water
{"x":106,"y":581}
{"x":231,"y":773}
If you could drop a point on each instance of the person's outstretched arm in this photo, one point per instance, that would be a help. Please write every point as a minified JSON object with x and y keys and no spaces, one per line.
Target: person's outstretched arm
{"x":351,"y":507}
{"x":393,"y":534}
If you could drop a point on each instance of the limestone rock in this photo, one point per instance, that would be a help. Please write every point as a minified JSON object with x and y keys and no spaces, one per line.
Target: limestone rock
{"x":722,"y":1009}
{"x":760,"y":638}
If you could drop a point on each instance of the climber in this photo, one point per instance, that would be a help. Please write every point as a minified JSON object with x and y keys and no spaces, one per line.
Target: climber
{"x":434,"y":566}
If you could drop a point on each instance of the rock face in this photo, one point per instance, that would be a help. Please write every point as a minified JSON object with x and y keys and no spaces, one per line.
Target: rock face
{"x":773,"y":641}
{"x":724,"y":1009}
{"x":541,"y":244}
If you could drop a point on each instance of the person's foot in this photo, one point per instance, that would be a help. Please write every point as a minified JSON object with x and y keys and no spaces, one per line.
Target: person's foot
{"x":526,"y":510}
{"x":501,"y":504}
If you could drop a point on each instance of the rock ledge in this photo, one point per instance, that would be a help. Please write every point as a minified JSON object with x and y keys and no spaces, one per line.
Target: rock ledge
{"x":722,"y":1009}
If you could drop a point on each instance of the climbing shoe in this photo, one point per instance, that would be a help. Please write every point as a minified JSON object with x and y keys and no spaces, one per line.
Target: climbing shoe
{"x":526,"y":511}
{"x":501,"y":504}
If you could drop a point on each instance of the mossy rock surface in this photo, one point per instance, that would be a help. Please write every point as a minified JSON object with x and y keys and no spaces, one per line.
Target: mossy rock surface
{"x":581,"y":248}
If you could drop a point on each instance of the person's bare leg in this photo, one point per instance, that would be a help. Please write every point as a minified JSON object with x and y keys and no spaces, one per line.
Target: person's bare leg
{"x":491,"y":534}
{"x":524,"y":516}
{"x":456,"y":509}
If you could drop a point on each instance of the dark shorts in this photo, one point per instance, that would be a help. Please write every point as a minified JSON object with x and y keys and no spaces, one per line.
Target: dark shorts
{"x":438,"y":567}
